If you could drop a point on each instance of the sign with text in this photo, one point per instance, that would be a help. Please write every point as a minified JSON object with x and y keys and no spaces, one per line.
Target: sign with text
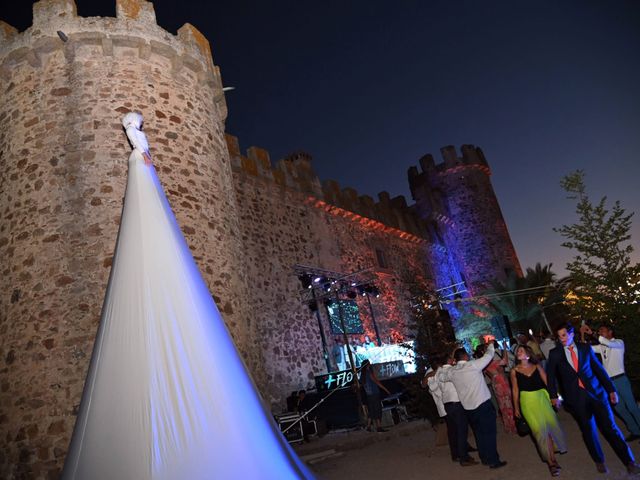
{"x":389,"y":369}
{"x":334,"y":380}
{"x":345,"y":378}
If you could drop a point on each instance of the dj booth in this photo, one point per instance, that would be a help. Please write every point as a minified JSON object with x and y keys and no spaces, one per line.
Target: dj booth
{"x":340,"y":407}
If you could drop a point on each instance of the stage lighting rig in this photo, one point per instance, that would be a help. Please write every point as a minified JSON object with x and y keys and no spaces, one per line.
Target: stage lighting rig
{"x":326,"y":286}
{"x":318,"y":283}
{"x":305,"y":280}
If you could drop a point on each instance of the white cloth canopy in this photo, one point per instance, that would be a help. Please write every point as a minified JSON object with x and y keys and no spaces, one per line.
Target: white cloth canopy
{"x":167,"y":396}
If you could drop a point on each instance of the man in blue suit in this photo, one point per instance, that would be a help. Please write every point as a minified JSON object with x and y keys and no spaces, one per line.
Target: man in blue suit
{"x":587,"y":391}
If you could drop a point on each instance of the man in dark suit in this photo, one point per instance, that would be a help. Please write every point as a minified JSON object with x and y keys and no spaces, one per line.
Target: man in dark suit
{"x":587,"y":391}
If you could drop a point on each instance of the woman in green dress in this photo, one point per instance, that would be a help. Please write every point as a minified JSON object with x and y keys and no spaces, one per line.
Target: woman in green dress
{"x":531,"y":400}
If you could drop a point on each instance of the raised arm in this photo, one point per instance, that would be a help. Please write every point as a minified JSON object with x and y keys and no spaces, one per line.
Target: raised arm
{"x":584,"y":329}
{"x":597,"y":349}
{"x":503,"y":357}
{"x":613,"y":343}
{"x":485,"y":360}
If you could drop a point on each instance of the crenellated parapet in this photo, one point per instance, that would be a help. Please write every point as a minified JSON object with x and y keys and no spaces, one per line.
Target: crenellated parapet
{"x":392,"y":212}
{"x":431,"y":181}
{"x":471,"y":158}
{"x":296,"y":172}
{"x":57,"y":27}
{"x":457,"y":200}
{"x":7,"y":32}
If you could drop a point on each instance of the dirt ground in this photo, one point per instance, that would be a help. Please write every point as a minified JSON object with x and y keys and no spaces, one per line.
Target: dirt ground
{"x":409,"y":452}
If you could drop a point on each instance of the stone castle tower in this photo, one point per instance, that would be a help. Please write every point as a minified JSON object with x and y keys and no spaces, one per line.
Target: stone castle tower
{"x":64,"y":85}
{"x":458,"y":202}
{"x":63,"y":160}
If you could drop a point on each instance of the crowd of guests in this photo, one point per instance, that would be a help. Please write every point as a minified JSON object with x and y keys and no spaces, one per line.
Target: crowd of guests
{"x":521,"y":381}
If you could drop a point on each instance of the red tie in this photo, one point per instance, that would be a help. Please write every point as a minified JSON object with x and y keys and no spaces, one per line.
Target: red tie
{"x":574,"y":359}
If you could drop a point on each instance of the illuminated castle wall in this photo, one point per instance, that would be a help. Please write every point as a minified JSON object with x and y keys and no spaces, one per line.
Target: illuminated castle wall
{"x":288,"y":217}
{"x":456,"y":200}
{"x":62,"y":176}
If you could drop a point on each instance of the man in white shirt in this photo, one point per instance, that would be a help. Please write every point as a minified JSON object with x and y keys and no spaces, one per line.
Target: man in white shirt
{"x":449,"y":407}
{"x":339,"y":354}
{"x":611,"y":350}
{"x":546,"y":346}
{"x":474,"y":395}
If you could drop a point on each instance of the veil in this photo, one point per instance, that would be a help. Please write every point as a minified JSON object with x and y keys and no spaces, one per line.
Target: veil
{"x":167,"y":395}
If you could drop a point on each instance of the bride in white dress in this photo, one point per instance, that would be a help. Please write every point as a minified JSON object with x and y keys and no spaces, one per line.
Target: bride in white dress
{"x":167,"y":396}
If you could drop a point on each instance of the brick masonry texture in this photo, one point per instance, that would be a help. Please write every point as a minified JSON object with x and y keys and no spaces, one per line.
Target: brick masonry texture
{"x":63,"y":167}
{"x":457,"y":200}
{"x":282,"y":227}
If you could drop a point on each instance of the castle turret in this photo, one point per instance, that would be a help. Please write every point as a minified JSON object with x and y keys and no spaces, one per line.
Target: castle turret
{"x":458,"y":200}
{"x":65,"y":84}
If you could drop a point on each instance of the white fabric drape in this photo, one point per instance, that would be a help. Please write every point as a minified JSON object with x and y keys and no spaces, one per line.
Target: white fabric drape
{"x":167,"y":395}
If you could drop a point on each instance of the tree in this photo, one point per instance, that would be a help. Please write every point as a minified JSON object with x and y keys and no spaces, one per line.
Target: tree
{"x":526,"y":300}
{"x":549,"y":297}
{"x":605,"y":280}
{"x":540,"y":275}
{"x":432,"y":339}
{"x":508,"y":300}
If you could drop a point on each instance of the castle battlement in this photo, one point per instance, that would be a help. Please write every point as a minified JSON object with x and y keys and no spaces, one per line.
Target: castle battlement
{"x":428,"y":183}
{"x":296,"y":172}
{"x":472,"y":158}
{"x":134,"y":27}
{"x":393,"y":212}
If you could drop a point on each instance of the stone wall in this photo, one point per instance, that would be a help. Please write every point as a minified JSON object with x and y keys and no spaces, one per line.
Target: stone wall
{"x":457,"y":201}
{"x":63,"y":158}
{"x":286,"y":220}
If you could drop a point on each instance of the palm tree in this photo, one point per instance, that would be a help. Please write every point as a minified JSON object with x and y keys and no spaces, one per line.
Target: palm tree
{"x":507,"y":297}
{"x":523,"y":299}
{"x":540,"y":274}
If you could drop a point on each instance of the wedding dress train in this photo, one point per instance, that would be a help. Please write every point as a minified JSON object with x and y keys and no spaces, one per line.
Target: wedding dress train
{"x":167,"y":395}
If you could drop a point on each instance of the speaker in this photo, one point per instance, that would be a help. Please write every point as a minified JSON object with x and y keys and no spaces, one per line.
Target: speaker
{"x":443,"y":326}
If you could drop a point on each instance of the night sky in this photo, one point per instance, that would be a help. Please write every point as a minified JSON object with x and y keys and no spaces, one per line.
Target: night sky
{"x":368,"y":87}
